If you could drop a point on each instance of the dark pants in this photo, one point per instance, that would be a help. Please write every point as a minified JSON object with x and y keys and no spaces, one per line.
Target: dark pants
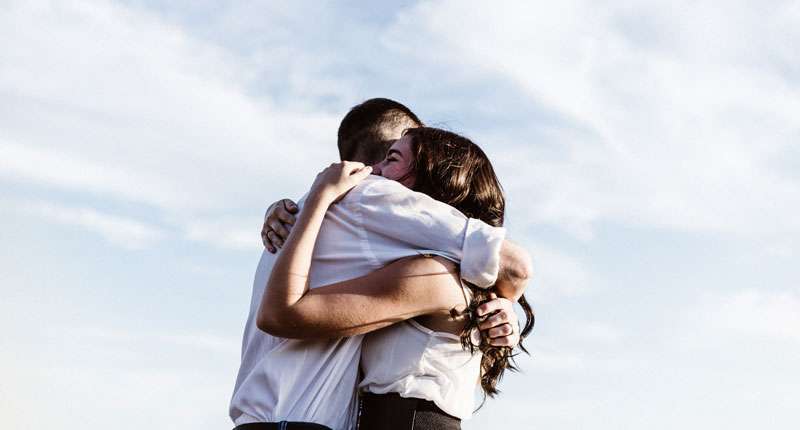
{"x":283,"y":425}
{"x":392,"y":412}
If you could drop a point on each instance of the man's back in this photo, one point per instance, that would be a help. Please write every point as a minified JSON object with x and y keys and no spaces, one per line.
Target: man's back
{"x":293,"y":380}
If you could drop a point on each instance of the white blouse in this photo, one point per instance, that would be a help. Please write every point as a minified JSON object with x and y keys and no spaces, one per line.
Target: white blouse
{"x":414,"y":361}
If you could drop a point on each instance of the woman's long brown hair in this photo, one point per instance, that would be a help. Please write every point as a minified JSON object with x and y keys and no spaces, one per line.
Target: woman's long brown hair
{"x":454,"y":170}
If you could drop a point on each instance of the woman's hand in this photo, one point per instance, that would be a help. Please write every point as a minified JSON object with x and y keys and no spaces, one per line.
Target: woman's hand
{"x":334,"y":182}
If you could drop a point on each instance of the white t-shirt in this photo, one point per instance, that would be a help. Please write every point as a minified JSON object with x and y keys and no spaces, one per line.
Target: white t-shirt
{"x":377,"y":222}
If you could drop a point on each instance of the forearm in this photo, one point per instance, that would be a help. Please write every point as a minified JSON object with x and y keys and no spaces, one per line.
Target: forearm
{"x":515,"y":271}
{"x":402,"y":290}
{"x":288,"y":280}
{"x":321,"y":314}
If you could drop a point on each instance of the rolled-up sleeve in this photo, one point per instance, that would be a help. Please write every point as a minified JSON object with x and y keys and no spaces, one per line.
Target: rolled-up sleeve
{"x":480,"y":261}
{"x":393,"y":216}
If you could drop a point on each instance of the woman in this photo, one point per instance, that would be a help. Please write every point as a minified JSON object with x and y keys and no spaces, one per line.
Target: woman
{"x":420,"y":373}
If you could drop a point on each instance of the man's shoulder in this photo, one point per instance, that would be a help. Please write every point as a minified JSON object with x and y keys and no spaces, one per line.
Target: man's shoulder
{"x":373,"y":186}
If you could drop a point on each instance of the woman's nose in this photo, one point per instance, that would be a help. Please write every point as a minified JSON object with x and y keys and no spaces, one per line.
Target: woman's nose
{"x":376,"y":169}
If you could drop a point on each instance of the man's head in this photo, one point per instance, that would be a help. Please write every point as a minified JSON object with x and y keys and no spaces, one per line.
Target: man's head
{"x":370,"y":128}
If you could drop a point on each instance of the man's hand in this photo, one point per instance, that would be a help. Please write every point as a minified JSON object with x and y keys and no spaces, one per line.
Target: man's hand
{"x":500,"y":327}
{"x":277,"y":223}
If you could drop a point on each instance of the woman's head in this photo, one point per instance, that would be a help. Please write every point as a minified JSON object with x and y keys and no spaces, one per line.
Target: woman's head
{"x":448,"y":167}
{"x":398,"y":162}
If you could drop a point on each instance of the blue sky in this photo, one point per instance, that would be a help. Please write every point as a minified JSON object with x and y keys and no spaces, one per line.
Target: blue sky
{"x":649,"y":153}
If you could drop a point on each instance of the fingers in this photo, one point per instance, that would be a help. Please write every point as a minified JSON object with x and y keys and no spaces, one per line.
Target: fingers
{"x":265,"y":239}
{"x":500,"y":331}
{"x":503,"y":335}
{"x":333,"y":183}
{"x":498,"y":327}
{"x":285,"y":217}
{"x":494,"y":305}
{"x":280,"y":230}
{"x":281,"y":223}
{"x":359,"y":175}
{"x":285,"y":212}
{"x":279,"y":219}
{"x":276,"y":241}
{"x":352,"y":169}
{"x":499,"y":318}
{"x":352,"y":165}
{"x":290,"y":207}
{"x":509,"y":341}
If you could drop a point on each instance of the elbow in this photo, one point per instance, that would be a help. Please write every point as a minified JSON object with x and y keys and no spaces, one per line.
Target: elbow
{"x":516,"y":264}
{"x":267,"y":324}
{"x":282,"y":324}
{"x":524,"y":270}
{"x":272,"y":321}
{"x":519,"y":277}
{"x":514,"y":275}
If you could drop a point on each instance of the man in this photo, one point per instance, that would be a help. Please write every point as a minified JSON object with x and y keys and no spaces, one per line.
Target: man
{"x":314,"y":381}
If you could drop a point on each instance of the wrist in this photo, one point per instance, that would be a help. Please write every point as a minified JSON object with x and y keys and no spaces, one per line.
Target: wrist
{"x":510,"y":290}
{"x":320,"y":198}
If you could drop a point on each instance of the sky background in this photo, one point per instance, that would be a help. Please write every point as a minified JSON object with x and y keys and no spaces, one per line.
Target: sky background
{"x":649,"y":151}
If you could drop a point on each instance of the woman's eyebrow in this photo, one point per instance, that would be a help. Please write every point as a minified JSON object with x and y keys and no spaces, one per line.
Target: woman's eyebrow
{"x":394,"y":151}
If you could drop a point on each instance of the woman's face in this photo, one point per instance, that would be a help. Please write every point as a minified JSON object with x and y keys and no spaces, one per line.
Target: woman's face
{"x":396,"y":166}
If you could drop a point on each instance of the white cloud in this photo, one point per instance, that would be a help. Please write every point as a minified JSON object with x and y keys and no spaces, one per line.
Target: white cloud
{"x":754,"y":313}
{"x":50,"y":167}
{"x":596,"y":331}
{"x":546,"y":360}
{"x":556,"y":275}
{"x":116,"y":101}
{"x":115,"y":337}
{"x":123,"y":231}
{"x":652,"y":127}
{"x":668,"y":114}
{"x":92,"y":376}
{"x":227,"y":233}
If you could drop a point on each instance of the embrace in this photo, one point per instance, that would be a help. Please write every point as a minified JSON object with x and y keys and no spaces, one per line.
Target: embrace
{"x":384,"y":298}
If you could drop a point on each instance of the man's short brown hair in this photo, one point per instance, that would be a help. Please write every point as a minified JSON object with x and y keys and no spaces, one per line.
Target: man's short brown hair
{"x":368,"y":130}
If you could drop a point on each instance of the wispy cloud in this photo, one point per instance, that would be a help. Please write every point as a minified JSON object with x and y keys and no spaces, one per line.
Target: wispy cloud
{"x":160,"y":375}
{"x":119,"y":230}
{"x":72,"y":172}
{"x":117,"y":337}
{"x":115,"y":100}
{"x":667,"y":114}
{"x":556,"y":275}
{"x":228,"y":233}
{"x":753,"y":314}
